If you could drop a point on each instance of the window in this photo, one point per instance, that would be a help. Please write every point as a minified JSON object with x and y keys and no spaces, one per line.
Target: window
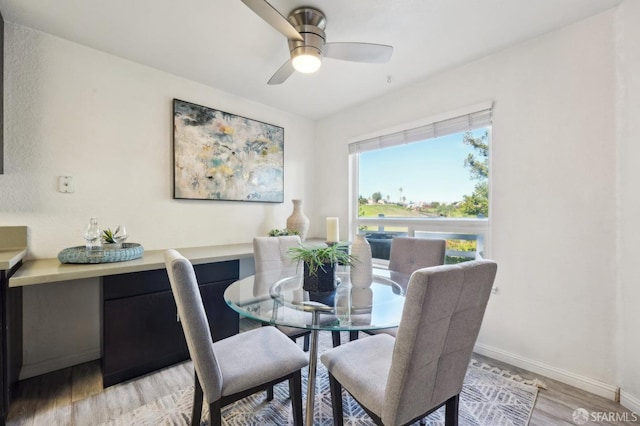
{"x":429,"y":181}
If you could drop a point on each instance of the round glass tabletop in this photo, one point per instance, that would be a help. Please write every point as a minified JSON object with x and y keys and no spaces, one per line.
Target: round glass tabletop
{"x":278,"y":299}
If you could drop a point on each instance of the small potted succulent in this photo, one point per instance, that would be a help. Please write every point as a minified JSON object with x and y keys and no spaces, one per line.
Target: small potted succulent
{"x":319,"y":265}
{"x":114,"y":239}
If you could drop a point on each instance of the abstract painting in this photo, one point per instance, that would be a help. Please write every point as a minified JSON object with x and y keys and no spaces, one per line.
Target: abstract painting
{"x":222,"y":156}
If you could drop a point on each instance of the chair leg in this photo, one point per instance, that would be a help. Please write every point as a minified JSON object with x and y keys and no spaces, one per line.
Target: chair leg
{"x":336,"y":400}
{"x":270,"y":393}
{"x":451,"y":411}
{"x":353,"y":335}
{"x":196,"y":413}
{"x":215,"y":413}
{"x":295,"y":392}
{"x":335,"y":337}
{"x":305,"y":344}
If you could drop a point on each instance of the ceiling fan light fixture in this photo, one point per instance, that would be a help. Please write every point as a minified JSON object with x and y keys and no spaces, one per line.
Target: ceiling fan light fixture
{"x":304,"y":29}
{"x":306,"y":60}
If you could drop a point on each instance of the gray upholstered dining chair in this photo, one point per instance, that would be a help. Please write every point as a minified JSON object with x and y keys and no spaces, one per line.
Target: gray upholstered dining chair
{"x":401,"y":380}
{"x":235,"y":367}
{"x":408,"y":254}
{"x":270,"y":254}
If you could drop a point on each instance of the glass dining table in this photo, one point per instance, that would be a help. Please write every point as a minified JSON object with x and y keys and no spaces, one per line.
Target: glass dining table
{"x":279,"y":299}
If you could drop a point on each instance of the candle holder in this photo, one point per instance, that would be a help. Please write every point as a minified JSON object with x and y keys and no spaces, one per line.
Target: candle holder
{"x":331,"y":243}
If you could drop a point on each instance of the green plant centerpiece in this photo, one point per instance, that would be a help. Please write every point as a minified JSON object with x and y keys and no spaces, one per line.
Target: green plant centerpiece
{"x":282,"y":232}
{"x":319,"y":265}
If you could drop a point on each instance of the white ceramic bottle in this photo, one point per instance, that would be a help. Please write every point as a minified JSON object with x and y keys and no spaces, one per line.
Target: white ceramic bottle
{"x":361,"y":271}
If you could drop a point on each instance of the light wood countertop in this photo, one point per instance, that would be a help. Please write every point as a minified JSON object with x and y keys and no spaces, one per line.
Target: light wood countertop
{"x":10,"y":257}
{"x":42,"y":271}
{"x":13,"y":246}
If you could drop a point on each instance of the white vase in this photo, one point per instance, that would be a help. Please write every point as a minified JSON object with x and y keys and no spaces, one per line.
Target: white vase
{"x":361,"y":298}
{"x":298,"y":221}
{"x":361,"y":271}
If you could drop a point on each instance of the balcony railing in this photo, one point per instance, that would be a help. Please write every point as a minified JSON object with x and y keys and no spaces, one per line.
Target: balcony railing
{"x":380,"y":231}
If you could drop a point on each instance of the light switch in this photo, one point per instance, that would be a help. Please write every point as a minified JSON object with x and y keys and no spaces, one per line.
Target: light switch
{"x":65,"y":184}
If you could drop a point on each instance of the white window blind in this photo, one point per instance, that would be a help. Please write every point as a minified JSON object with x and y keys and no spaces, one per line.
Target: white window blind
{"x":457,"y":124}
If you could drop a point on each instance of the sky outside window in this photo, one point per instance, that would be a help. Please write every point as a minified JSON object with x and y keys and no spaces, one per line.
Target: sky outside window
{"x":427,"y":171}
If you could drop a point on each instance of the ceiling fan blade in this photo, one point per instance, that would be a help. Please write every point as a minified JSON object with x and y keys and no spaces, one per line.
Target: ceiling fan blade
{"x":272,"y":17}
{"x":358,"y":52}
{"x":283,"y":73}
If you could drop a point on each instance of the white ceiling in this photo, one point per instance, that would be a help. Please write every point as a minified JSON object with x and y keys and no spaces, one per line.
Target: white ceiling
{"x":223,"y":44}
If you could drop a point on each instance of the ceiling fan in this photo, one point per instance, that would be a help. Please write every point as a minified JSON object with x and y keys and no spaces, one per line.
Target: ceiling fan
{"x":304,"y":30}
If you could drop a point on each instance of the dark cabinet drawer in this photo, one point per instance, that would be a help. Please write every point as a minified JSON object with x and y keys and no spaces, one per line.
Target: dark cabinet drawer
{"x":140,"y":328}
{"x":141,"y":334}
{"x":10,"y":339}
{"x":137,"y":283}
{"x":223,"y":321}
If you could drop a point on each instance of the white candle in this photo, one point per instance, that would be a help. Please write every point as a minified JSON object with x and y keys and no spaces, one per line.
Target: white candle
{"x":332,"y":230}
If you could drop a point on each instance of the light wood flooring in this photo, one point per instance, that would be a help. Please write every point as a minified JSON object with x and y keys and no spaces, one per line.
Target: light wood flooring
{"x":556,"y":404}
{"x":74,"y":396}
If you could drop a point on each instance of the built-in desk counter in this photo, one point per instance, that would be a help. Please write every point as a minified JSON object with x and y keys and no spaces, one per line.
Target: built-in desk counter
{"x":11,"y":257}
{"x":140,"y":333}
{"x":42,"y":271}
{"x":13,"y":246}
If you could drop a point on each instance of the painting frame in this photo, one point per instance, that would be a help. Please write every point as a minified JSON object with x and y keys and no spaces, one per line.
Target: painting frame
{"x":222,"y":156}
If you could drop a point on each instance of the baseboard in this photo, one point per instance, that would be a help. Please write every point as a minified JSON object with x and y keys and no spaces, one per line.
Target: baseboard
{"x":630,"y":402}
{"x":53,"y":364}
{"x":584,"y":383}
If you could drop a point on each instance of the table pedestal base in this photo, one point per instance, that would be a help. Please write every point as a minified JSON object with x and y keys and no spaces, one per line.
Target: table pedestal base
{"x":311,"y":376}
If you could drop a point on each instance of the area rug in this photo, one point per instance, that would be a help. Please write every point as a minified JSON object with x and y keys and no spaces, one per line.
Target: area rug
{"x":490,"y":397}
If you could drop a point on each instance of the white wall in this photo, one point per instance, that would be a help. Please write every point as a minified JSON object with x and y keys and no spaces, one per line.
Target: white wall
{"x":107,"y":122}
{"x":628,"y":62}
{"x":553,"y":192}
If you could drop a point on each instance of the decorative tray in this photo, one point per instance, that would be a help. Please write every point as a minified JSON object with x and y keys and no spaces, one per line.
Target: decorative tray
{"x":105,"y":254}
